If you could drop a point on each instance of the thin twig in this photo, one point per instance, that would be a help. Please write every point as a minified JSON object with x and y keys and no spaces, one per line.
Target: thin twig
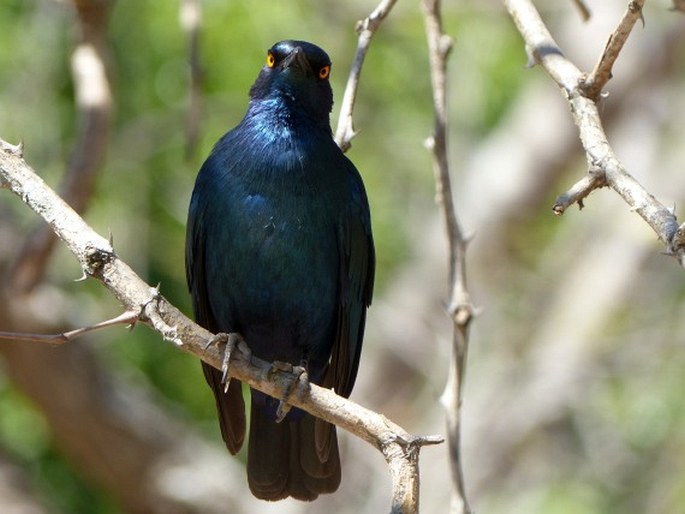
{"x":578,"y":192}
{"x":98,"y":260}
{"x":600,"y":156}
{"x":592,"y":85}
{"x":365,"y":28}
{"x":126,"y":318}
{"x":460,"y":308}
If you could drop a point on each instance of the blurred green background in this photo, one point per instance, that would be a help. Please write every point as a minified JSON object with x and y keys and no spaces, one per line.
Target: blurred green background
{"x":573,"y":399}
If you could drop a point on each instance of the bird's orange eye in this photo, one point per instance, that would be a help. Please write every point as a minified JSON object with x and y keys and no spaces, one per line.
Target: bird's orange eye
{"x":324,"y":72}
{"x":270,"y":60}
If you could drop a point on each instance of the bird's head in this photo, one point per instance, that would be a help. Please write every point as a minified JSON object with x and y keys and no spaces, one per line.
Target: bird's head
{"x":296,"y":73}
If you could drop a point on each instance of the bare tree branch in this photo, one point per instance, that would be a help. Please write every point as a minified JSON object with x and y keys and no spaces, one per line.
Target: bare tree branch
{"x":365,"y":28}
{"x":460,"y":307}
{"x":592,"y":85}
{"x":99,"y":261}
{"x":600,"y":156}
{"x":578,"y":192}
{"x":126,"y":318}
{"x":89,"y":63}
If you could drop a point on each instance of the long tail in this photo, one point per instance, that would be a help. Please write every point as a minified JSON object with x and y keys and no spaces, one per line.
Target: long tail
{"x":230,"y":408}
{"x":293,"y":458}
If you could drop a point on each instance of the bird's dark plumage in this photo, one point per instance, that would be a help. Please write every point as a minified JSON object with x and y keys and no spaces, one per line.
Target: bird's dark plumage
{"x":279,"y":249}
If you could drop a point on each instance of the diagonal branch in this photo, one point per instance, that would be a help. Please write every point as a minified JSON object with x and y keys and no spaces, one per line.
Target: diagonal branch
{"x":600,"y":156}
{"x":126,"y":318}
{"x":99,"y":261}
{"x":366,"y":28}
{"x":578,"y":192}
{"x":592,"y":85}
{"x":460,"y":307}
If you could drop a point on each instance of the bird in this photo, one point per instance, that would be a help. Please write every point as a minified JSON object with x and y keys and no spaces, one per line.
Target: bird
{"x":279,"y":249}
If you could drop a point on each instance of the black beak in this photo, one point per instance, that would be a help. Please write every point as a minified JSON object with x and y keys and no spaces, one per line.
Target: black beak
{"x":297,"y":59}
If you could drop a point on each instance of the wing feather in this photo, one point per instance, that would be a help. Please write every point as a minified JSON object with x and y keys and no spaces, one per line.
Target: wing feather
{"x":356,"y":276}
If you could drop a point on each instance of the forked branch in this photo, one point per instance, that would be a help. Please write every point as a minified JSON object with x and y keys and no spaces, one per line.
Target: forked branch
{"x":460,"y":307}
{"x":592,"y":85}
{"x":603,"y":165}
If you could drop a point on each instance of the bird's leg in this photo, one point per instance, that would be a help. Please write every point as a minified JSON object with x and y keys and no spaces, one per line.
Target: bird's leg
{"x":299,"y":372}
{"x":231,"y":340}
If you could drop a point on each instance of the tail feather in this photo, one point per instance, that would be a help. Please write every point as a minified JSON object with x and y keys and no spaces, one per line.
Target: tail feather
{"x":284,"y":458}
{"x":319,"y":456}
{"x":230,"y":408}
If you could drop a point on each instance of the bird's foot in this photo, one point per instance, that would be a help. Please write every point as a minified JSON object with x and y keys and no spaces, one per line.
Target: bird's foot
{"x":299,"y":372}
{"x":231,"y":341}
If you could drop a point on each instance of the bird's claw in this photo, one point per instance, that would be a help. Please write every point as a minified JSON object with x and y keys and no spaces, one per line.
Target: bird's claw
{"x":231,"y":340}
{"x":282,"y":410}
{"x":299,"y":372}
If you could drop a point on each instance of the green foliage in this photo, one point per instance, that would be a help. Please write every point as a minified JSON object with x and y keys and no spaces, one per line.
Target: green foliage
{"x":25,"y":436}
{"x":68,"y":492}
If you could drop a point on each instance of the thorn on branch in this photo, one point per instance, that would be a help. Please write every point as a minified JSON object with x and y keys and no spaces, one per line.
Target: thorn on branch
{"x":592,"y":84}
{"x":678,"y":242}
{"x":429,"y":143}
{"x":97,"y":259}
{"x":15,"y":150}
{"x":128,"y":318}
{"x":445,"y":44}
{"x":428,"y":440}
{"x":581,"y":189}
{"x":155,"y":312}
{"x":531,"y":58}
{"x":636,"y":8}
{"x":462,"y":314}
{"x":413,"y":444}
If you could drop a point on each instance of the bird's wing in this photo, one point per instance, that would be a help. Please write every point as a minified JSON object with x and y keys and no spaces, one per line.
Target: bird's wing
{"x":230,"y":405}
{"x":195,"y":266}
{"x":357,"y":268}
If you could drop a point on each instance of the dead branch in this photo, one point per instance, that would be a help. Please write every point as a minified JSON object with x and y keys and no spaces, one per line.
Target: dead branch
{"x":578,"y":192}
{"x":366,"y":28}
{"x":99,"y":260}
{"x":126,"y":318}
{"x":601,"y":159}
{"x":460,"y":308}
{"x":592,"y":85}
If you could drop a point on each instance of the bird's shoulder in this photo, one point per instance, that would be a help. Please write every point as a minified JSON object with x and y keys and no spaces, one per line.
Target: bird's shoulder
{"x":276,"y":145}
